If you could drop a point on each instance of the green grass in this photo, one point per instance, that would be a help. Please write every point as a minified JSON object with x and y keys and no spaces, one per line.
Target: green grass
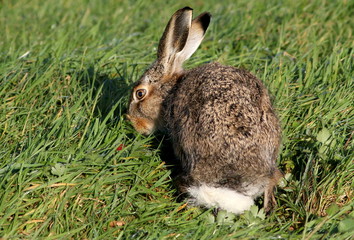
{"x":66,"y":68}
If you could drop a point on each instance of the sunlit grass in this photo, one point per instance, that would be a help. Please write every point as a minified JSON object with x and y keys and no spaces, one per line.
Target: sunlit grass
{"x":72,"y":167}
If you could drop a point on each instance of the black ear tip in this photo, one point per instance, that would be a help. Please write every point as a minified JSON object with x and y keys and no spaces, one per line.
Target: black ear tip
{"x":187,"y":8}
{"x":206,"y":16}
{"x":205,"y":19}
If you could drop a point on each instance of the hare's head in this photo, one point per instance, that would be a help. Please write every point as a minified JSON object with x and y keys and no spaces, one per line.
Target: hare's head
{"x":179,"y":41}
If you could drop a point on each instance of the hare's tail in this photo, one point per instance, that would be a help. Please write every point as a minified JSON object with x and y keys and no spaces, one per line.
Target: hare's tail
{"x":224,"y":198}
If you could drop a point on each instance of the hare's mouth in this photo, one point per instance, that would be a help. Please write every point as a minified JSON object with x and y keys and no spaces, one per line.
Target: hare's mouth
{"x":141,"y":125}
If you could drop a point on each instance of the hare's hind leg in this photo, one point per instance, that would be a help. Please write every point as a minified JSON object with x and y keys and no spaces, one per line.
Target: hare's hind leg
{"x":269,"y":199}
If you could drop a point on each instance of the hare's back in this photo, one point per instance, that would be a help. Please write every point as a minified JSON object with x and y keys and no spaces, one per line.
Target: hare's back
{"x":223,"y":97}
{"x":224,"y":113}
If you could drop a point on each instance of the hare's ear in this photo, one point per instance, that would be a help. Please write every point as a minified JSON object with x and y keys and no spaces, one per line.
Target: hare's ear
{"x":174,"y":37}
{"x":181,"y":38}
{"x":196,"y":34}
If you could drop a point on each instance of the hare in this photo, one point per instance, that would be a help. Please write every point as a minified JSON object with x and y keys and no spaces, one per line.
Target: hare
{"x":220,"y":119}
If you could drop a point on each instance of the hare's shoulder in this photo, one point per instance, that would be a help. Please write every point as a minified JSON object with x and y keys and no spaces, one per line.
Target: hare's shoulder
{"x":222,"y":76}
{"x":214,"y":80}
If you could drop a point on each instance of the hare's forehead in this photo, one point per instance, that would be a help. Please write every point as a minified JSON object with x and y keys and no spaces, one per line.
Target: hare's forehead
{"x":146,"y":81}
{"x":146,"y":78}
{"x":150,"y":78}
{"x":153,"y":74}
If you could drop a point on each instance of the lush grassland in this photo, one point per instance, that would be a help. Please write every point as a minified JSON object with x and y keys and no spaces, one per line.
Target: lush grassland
{"x":65,"y":72}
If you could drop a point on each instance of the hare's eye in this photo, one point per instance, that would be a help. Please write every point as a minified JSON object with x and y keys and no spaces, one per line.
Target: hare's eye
{"x":140,"y":94}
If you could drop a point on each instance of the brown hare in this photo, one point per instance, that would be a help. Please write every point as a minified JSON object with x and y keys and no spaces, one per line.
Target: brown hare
{"x":220,"y":120}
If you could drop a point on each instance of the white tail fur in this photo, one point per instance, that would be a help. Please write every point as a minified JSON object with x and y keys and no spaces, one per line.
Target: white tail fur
{"x":224,"y":198}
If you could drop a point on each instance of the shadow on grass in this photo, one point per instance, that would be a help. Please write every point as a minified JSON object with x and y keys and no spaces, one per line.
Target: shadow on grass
{"x":109,"y":89}
{"x":172,"y":163}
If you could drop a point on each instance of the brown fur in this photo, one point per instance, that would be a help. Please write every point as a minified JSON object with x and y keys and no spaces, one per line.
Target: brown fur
{"x":220,"y":118}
